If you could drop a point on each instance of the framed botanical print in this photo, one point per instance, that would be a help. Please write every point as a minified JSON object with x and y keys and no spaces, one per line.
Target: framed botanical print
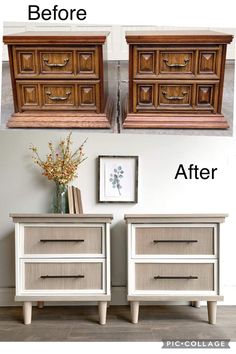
{"x":117,"y":179}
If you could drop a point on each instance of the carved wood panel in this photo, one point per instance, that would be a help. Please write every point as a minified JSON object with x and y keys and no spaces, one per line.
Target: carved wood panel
{"x":144,"y":96}
{"x":30,"y":95}
{"x":207,"y":62}
{"x":25,"y":63}
{"x":146,"y":62}
{"x":87,"y":63}
{"x":207,"y":96}
{"x":88,"y":97}
{"x":27,"y":96}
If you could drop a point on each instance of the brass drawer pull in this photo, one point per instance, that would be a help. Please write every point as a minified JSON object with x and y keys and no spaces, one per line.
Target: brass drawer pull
{"x":58,"y":98}
{"x":61,"y":276}
{"x":175,"y":277}
{"x":62,"y":240}
{"x":171,"y":98}
{"x":55,"y":65}
{"x":176,"y":65}
{"x":178,"y":241}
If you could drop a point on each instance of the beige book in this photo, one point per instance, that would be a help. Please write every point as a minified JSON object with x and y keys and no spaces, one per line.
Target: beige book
{"x":76,"y":202}
{"x":79,"y":200}
{"x":70,"y":200}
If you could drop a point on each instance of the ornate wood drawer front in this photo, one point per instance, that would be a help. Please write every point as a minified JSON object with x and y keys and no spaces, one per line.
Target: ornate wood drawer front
{"x":63,"y":240}
{"x":53,"y":95}
{"x":151,"y":95}
{"x":174,"y":276}
{"x":177,"y":62}
{"x":178,"y":95}
{"x":155,"y":62}
{"x":67,"y":276}
{"x":58,"y":95}
{"x":184,"y":240}
{"x":57,"y":62}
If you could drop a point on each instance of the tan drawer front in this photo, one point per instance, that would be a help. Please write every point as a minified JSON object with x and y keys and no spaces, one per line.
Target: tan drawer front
{"x":54,"y":95}
{"x":174,"y":276}
{"x":62,"y":240}
{"x":170,"y":240}
{"x":43,"y":276}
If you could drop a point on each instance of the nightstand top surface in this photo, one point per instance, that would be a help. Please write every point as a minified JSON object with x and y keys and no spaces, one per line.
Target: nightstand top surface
{"x":65,"y":218}
{"x":59,"y":37}
{"x":162,"y":218}
{"x":178,"y":37}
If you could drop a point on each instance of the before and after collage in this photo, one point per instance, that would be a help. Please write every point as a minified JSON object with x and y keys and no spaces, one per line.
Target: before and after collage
{"x":118,"y":166}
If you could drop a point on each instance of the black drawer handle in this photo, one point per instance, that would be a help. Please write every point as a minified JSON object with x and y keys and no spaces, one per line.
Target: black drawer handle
{"x":62,"y":240}
{"x":175,"y":277}
{"x":172,"y":98}
{"x":58,"y":98}
{"x":176,"y":241}
{"x":61,"y":276}
{"x":176,"y":65}
{"x":55,"y":65}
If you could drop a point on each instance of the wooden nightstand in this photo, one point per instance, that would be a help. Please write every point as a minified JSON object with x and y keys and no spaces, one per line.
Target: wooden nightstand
{"x":62,"y":258}
{"x":174,"y":258}
{"x":59,"y":80}
{"x":176,"y":79}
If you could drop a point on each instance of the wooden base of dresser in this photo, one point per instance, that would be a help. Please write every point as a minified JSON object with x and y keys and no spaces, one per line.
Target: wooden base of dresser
{"x":174,"y":121}
{"x":69,"y":119}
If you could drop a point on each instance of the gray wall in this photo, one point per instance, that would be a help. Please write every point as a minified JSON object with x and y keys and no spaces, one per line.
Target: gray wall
{"x":23,"y":189}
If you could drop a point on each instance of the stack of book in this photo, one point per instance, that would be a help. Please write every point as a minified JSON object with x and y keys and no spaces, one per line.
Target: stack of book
{"x":74,"y":200}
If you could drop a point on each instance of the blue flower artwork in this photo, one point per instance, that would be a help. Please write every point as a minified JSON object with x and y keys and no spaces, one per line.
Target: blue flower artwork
{"x":116,"y":178}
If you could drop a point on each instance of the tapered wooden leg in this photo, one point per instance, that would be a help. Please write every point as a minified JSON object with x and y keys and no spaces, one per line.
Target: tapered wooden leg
{"x":40,"y":304}
{"x":134,"y":307}
{"x":102,"y":310}
{"x":211,"y":307}
{"x":196,"y":304}
{"x":27,"y":312}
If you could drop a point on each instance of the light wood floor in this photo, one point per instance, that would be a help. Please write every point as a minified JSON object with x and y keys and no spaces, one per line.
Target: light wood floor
{"x":80,"y":324}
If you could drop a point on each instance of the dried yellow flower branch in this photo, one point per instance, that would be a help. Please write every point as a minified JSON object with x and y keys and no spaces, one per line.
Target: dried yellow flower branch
{"x":61,"y":163}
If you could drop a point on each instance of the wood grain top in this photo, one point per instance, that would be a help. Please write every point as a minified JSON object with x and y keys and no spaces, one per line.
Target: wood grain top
{"x":174,"y":215}
{"x":174,"y":218}
{"x":61,"y":217}
{"x":57,"y":37}
{"x":178,"y":37}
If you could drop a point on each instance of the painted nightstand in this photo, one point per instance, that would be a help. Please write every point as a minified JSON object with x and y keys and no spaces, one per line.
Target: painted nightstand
{"x":174,"y":258}
{"x":62,"y":258}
